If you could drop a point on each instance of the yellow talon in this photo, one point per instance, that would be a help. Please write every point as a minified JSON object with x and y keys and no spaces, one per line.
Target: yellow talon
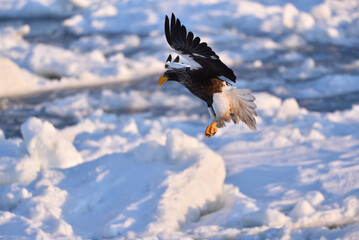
{"x":211,"y":130}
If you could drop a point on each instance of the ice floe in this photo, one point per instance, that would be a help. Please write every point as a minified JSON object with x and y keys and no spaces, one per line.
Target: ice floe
{"x":134,"y":162}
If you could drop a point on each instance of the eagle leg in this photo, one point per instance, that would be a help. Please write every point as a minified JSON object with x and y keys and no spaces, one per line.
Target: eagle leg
{"x":211,"y":130}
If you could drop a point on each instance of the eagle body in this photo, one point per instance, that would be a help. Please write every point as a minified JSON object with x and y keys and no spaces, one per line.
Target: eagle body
{"x":207,"y":78}
{"x":199,"y":83}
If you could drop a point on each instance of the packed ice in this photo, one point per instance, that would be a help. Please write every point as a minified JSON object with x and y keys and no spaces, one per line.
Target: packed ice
{"x":127,"y":159}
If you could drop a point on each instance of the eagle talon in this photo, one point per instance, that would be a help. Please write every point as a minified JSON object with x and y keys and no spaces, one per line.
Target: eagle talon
{"x":211,"y":130}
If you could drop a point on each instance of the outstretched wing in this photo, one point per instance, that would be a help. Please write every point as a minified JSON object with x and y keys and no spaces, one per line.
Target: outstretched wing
{"x":193,"y":49}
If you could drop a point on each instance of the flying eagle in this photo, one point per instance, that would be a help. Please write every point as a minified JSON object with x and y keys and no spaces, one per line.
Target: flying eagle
{"x":208,"y":78}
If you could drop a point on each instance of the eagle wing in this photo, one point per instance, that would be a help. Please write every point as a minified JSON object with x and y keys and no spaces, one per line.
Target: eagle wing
{"x":193,"y":49}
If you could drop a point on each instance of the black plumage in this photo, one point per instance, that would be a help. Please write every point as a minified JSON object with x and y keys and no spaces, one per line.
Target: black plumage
{"x":199,"y":82}
{"x":207,"y":78}
{"x":192,"y":47}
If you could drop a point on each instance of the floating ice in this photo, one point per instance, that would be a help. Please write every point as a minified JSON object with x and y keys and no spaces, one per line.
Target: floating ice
{"x":125,"y":171}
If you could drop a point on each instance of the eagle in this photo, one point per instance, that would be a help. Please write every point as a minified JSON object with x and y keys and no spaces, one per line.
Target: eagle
{"x":208,"y":78}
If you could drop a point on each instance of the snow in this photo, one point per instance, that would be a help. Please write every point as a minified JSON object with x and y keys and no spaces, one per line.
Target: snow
{"x":130,"y":160}
{"x":45,"y":145}
{"x":321,"y":11}
{"x":290,"y":14}
{"x":188,"y":175}
{"x":15,"y":80}
{"x":94,"y":59}
{"x":129,"y":176}
{"x":35,"y":8}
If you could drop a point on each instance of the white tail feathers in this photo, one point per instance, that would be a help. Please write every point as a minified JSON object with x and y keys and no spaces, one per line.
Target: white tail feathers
{"x":243,"y":107}
{"x":239,"y":107}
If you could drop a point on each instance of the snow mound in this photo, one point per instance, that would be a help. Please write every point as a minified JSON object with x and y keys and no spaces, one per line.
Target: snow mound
{"x":269,"y":217}
{"x":127,"y":171}
{"x":43,"y":147}
{"x":15,"y":80}
{"x":140,"y":177}
{"x":158,"y":185}
{"x":192,"y":186}
{"x":193,"y":192}
{"x":46,"y":146}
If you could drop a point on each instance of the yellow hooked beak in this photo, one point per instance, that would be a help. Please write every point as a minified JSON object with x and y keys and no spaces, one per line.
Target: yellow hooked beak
{"x":162,"y":80}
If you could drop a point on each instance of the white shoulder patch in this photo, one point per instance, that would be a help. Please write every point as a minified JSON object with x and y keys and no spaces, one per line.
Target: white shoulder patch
{"x":193,"y":64}
{"x":176,"y":65}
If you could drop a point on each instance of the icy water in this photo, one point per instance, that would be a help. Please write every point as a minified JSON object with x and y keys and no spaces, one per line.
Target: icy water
{"x":14,"y":111}
{"x":130,"y":159}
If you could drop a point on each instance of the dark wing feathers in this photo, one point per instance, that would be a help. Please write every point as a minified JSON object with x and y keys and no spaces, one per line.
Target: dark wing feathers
{"x":190,"y":39}
{"x":187,"y":44}
{"x":196,"y":42}
{"x":167,"y":30}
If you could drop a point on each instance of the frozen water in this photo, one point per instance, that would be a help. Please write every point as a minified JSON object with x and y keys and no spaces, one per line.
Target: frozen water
{"x":291,"y":175}
{"x":92,"y":148}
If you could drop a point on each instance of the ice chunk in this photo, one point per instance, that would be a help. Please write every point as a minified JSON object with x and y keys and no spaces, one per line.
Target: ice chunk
{"x":321,"y":11}
{"x":73,"y":106}
{"x":181,"y":202}
{"x":269,"y":217}
{"x":304,"y":21}
{"x":302,"y":208}
{"x":46,"y":145}
{"x":106,"y":10}
{"x":314,"y":198}
{"x":290,"y":14}
{"x":288,"y":110}
{"x":293,"y":41}
{"x":308,"y":64}
{"x":36,"y":8}
{"x":15,"y":80}
{"x":11,"y":196}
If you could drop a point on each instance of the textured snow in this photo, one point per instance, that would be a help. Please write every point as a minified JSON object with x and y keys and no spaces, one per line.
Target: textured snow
{"x":127,"y":176}
{"x":136,"y":165}
{"x":104,"y":60}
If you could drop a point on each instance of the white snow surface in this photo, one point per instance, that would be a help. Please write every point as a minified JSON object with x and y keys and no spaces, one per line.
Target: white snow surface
{"x":130,"y":176}
{"x":239,"y":31}
{"x":137,"y":174}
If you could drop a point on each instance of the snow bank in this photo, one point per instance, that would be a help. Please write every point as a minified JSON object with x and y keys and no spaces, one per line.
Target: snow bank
{"x":46,"y":146}
{"x":140,"y":175}
{"x":42,"y":67}
{"x":195,"y":191}
{"x":14,"y":166}
{"x":185,"y":182}
{"x":43,"y":147}
{"x":137,"y":177}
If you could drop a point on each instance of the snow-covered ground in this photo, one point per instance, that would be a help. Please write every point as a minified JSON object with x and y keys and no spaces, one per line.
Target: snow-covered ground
{"x":130,"y":161}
